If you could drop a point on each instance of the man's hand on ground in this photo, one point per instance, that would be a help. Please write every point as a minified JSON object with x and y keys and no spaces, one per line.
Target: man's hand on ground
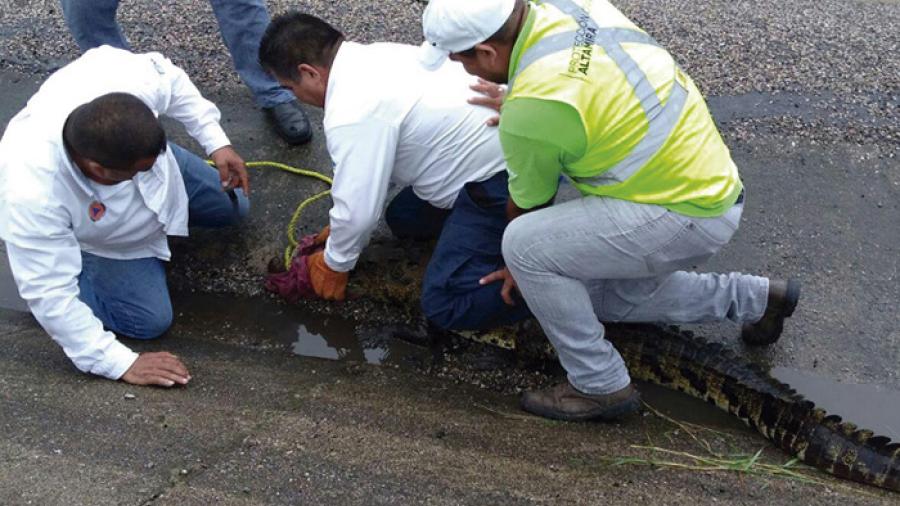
{"x":158,"y":368}
{"x":492,"y":95}
{"x":509,"y":284}
{"x":328,"y":284}
{"x":232,"y":170}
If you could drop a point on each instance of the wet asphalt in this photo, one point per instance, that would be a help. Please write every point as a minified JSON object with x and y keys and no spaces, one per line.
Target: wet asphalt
{"x":807,"y":95}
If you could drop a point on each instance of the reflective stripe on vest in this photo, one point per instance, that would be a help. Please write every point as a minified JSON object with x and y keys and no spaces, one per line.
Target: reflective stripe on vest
{"x":661,"y":119}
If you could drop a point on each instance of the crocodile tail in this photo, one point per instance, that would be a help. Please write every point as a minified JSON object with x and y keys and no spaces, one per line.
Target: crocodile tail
{"x":714,"y":374}
{"x":826,"y":442}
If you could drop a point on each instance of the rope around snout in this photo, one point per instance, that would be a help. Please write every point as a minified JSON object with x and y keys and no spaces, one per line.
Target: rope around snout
{"x":295,"y":218}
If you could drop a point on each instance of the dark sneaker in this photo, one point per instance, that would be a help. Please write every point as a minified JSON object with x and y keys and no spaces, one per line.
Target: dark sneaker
{"x":783,"y":297}
{"x":564,"y":402}
{"x":290,"y":122}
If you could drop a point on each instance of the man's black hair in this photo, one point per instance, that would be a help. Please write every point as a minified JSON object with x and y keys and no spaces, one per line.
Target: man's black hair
{"x":115,"y":130}
{"x":295,"y":38}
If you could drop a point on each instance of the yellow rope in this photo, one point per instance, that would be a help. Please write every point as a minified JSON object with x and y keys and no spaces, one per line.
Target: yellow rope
{"x":295,"y":218}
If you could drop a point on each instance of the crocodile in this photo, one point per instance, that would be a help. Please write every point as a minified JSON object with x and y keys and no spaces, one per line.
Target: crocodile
{"x":389,"y":275}
{"x":713,"y":373}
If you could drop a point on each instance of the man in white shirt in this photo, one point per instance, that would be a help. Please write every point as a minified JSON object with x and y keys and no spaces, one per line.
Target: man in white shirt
{"x":389,"y":120}
{"x":89,"y":192}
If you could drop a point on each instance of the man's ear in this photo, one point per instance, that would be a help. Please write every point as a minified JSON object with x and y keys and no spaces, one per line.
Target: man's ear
{"x":307,"y":71}
{"x":486,"y":52}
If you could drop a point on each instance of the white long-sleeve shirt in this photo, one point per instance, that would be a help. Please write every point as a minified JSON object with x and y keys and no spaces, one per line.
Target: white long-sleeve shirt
{"x":387,"y":119}
{"x":44,"y":197}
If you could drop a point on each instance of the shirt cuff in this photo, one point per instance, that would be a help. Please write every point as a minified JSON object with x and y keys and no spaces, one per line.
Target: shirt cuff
{"x":212,"y":137}
{"x":117,"y":359}
{"x":338,"y":265}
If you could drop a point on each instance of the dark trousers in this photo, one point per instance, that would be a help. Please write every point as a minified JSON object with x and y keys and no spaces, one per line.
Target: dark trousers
{"x":468,"y":248}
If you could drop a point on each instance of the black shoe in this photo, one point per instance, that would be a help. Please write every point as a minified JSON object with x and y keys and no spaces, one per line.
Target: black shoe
{"x":783,"y":298}
{"x":290,"y":122}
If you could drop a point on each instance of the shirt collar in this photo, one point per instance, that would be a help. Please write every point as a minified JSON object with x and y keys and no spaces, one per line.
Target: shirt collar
{"x":516,"y":53}
{"x":69,"y":165}
{"x":336,"y":66}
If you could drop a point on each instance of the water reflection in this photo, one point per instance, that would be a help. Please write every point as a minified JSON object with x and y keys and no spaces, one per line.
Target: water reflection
{"x":313,"y":345}
{"x":372,"y":348}
{"x":871,"y":407}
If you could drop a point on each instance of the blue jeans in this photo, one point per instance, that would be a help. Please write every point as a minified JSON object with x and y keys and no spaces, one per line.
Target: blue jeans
{"x":468,"y":248}
{"x":241,"y":22}
{"x":130,"y":296}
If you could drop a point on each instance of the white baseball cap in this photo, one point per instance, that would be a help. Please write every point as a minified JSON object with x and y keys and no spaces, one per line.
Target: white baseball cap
{"x":451,"y":26}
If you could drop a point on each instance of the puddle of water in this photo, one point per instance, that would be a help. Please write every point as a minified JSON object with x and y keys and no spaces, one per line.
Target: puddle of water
{"x":871,"y":407}
{"x":9,"y":295}
{"x":372,"y":346}
{"x":685,"y":408}
{"x":305,"y":333}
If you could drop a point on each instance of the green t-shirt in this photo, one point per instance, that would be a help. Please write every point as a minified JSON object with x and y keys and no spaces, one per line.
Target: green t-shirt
{"x":539,"y":138}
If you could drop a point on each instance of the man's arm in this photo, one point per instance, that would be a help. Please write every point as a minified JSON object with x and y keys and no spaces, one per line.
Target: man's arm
{"x":46,"y":261}
{"x":539,"y":137}
{"x":363,"y":155}
{"x":180,"y":99}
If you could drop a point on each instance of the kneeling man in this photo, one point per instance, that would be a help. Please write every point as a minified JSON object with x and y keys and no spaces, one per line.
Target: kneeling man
{"x":89,"y":192}
{"x":389,"y":120}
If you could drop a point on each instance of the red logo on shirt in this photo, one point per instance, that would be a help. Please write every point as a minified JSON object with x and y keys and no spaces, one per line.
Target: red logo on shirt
{"x":96,"y":210}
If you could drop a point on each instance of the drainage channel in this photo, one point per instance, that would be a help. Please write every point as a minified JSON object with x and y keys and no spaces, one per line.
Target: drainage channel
{"x":298,"y":330}
{"x":315,"y":336}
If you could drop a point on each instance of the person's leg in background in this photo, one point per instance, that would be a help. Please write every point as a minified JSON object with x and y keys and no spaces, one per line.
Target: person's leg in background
{"x":467,"y":250}
{"x":242,"y":24}
{"x":130,"y":297}
{"x":209,"y":206}
{"x":92,"y":23}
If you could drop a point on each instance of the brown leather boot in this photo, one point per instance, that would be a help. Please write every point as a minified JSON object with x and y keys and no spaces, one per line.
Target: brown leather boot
{"x":783,"y":297}
{"x":564,"y":402}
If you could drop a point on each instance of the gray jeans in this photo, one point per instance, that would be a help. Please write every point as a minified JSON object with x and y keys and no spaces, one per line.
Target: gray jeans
{"x":613,"y":260}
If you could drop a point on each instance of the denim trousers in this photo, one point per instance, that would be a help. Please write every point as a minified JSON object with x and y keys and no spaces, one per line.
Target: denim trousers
{"x":130,"y":297}
{"x":241,"y":23}
{"x":468,"y":248}
{"x":603,"y":259}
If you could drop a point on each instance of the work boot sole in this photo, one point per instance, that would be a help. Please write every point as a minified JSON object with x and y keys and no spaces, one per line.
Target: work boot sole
{"x":607,"y":414}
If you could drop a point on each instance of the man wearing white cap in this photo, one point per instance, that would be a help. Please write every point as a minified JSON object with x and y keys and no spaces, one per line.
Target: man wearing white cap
{"x":595,"y":99}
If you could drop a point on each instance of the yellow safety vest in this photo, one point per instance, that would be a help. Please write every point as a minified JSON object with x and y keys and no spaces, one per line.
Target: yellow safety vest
{"x":650,"y":137}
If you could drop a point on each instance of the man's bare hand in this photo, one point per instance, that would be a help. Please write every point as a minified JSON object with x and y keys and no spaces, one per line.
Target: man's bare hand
{"x":232,"y":170}
{"x":492,"y":95}
{"x":509,"y":284}
{"x":158,"y":368}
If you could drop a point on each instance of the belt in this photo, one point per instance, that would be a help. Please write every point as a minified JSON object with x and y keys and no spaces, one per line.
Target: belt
{"x":740,"y":199}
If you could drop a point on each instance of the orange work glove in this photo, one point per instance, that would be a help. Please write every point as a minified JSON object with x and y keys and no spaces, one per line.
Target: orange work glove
{"x":322,"y":236}
{"x":328,"y":284}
